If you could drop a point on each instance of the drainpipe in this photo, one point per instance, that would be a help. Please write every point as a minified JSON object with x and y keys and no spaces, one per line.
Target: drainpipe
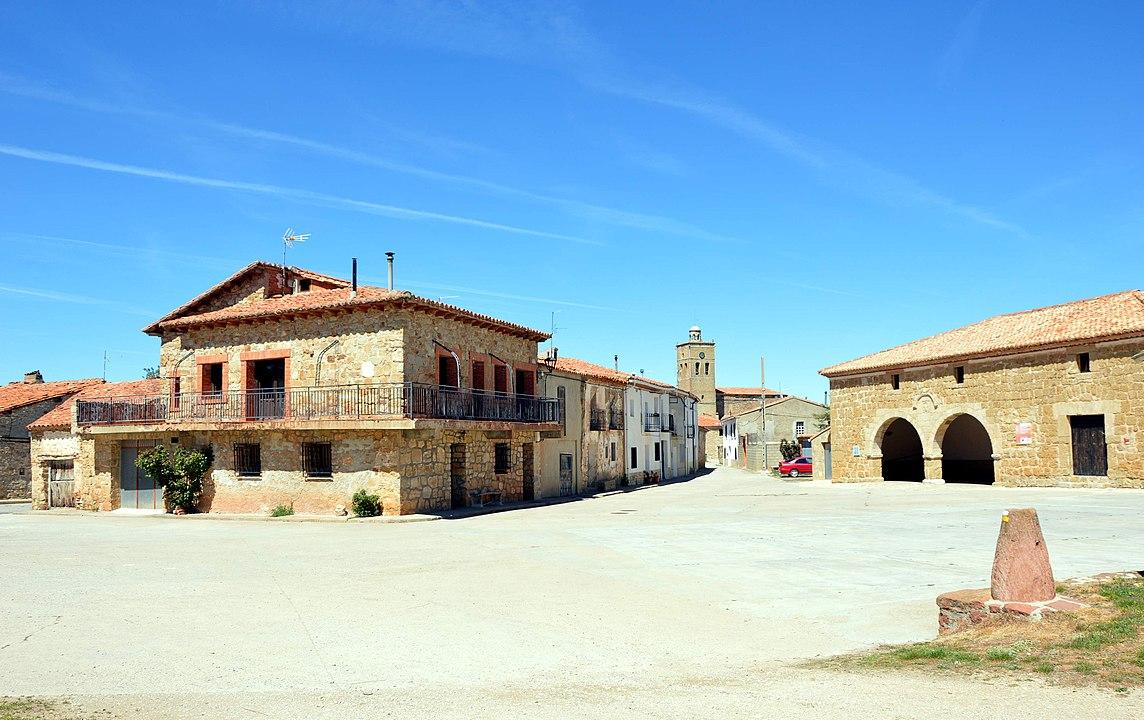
{"x":321,"y":355}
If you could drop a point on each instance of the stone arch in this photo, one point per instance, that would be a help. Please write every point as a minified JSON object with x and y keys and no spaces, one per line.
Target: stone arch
{"x":900,"y":447}
{"x":966,"y":450}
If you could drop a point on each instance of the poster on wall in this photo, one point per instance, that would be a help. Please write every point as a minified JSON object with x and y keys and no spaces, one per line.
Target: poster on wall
{"x":1024,"y":433}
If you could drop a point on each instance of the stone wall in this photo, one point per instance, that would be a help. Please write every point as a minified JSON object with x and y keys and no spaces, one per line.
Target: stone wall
{"x":15,"y":448}
{"x":1038,"y":389}
{"x":408,"y":469}
{"x":601,"y":472}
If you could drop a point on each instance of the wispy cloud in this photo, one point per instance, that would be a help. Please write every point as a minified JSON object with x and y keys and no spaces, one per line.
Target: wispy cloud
{"x":511,"y":296}
{"x":591,"y":211}
{"x":55,"y":296}
{"x":124,"y":251}
{"x":306,"y":196}
{"x":833,"y":166}
{"x":964,"y":40}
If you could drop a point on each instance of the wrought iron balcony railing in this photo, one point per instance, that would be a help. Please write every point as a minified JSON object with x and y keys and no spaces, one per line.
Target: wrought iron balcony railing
{"x":340,"y":402}
{"x":615,"y":418}
{"x":653,"y":422}
{"x":596,"y":419}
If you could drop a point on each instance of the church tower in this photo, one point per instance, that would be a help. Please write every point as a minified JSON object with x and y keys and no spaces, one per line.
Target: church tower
{"x":695,"y":368}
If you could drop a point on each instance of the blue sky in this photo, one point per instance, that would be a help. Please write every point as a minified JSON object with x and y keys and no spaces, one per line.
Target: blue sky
{"x":808,"y":181}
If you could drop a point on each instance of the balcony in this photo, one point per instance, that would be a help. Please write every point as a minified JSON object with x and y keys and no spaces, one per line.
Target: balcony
{"x":596,"y":419}
{"x":653,"y":423}
{"x":616,"y":418}
{"x":340,"y":402}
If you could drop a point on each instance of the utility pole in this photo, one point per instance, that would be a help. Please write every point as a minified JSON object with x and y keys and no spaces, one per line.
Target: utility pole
{"x":763,"y":412}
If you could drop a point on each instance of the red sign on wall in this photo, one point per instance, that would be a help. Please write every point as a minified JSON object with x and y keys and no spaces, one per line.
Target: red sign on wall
{"x":1024,"y":433}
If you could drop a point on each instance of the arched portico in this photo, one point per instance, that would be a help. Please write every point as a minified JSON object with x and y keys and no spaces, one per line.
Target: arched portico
{"x":900,"y":446}
{"x":966,"y":450}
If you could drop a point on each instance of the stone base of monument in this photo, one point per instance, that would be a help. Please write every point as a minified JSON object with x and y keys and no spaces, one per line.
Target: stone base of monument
{"x":961,"y":609}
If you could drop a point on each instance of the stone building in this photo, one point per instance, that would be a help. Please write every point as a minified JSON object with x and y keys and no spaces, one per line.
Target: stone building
{"x":307,"y":388}
{"x":1052,"y":396}
{"x":21,"y":403}
{"x":789,"y":418}
{"x":587,"y":453}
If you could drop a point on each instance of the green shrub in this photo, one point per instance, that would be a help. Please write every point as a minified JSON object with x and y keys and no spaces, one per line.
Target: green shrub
{"x":365,"y":504}
{"x":282,"y":511}
{"x":935,"y":652}
{"x":179,"y":474}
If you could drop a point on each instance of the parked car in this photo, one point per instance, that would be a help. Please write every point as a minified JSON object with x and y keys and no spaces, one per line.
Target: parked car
{"x":796,"y":467}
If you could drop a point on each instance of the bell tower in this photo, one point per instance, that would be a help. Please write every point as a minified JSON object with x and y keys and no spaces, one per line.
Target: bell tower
{"x":695,"y":369}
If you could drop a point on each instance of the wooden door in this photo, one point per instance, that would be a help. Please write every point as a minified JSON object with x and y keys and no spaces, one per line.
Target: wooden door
{"x":61,"y":483}
{"x":566,"y":475}
{"x":1090,"y":452}
{"x":457,"y":475}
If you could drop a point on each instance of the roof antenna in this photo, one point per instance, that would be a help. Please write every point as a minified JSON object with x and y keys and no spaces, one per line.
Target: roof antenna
{"x":288,"y":239}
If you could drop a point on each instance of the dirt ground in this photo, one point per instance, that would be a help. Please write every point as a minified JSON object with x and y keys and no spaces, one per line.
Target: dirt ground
{"x":695,"y":599}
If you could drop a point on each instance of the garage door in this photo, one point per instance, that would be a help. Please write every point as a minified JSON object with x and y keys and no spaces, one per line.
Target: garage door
{"x":137,"y":490}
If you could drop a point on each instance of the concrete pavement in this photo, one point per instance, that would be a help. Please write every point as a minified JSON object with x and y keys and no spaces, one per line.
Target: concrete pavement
{"x":691,"y":598}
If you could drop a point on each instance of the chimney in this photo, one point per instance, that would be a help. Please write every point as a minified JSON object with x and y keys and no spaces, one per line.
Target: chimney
{"x":297,"y":286}
{"x":353,"y":287}
{"x":33,"y":378}
{"x":616,"y":360}
{"x":389,"y":261}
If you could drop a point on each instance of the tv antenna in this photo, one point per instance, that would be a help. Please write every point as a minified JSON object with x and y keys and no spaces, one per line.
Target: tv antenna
{"x":288,"y":239}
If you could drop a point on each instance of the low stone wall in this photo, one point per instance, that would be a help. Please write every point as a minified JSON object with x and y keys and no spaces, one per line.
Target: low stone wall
{"x":964,"y":608}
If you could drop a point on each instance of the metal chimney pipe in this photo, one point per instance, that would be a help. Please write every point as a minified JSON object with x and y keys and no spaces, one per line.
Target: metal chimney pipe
{"x":389,"y":261}
{"x":353,"y":287}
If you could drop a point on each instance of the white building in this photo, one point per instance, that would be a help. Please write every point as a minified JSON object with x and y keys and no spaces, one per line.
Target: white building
{"x":661,"y":431}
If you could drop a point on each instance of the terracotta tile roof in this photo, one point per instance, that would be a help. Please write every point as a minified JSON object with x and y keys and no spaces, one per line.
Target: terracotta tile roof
{"x":1108,"y":317}
{"x":752,"y":391}
{"x":709,"y":421}
{"x":60,"y":417}
{"x":18,"y":394}
{"x":339,"y":299}
{"x":583,"y":368}
{"x":259,"y":265}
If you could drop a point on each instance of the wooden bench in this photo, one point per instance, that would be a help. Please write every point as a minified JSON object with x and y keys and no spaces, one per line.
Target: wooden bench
{"x":478,"y":498}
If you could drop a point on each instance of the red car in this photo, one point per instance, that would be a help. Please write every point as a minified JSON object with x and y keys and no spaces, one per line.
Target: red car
{"x":796,"y":467}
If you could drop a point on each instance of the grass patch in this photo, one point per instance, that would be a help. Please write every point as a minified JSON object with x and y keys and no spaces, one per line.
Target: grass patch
{"x":282,"y":511}
{"x":1100,"y":645}
{"x":33,"y":709}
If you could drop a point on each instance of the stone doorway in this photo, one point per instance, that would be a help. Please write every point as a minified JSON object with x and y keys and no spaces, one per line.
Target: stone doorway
{"x":967,"y":452}
{"x":902,"y":452}
{"x":457,"y":475}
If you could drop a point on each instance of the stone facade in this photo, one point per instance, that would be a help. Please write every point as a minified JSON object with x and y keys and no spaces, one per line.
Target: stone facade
{"x":596,"y":449}
{"x":408,"y":469}
{"x":695,"y":371}
{"x":1023,"y":402}
{"x":15,"y":448}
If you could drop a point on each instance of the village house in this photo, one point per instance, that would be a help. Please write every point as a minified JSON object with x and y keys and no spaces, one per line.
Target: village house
{"x":1052,"y":396}
{"x":587,"y":453}
{"x":789,"y":418}
{"x":307,"y":388}
{"x":21,"y":403}
{"x":661,"y":431}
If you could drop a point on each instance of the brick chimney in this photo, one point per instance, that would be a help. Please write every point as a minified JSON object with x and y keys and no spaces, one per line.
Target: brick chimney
{"x":32,"y":378}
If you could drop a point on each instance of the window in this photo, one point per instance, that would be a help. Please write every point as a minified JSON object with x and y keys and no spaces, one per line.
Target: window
{"x":706,"y":368}
{"x":696,"y":368}
{"x":446,"y":370}
{"x":304,"y":285}
{"x":317,"y":460}
{"x":635,"y":462}
{"x":657,"y":452}
{"x":562,"y":397}
{"x":212,"y":383}
{"x":959,"y":374}
{"x":1082,"y":362}
{"x":478,"y":377}
{"x":500,"y":459}
{"x":248,"y":459}
{"x":500,"y":378}
{"x":896,"y":381}
{"x":176,"y":391}
{"x":612,"y":453}
{"x":799,"y":428}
